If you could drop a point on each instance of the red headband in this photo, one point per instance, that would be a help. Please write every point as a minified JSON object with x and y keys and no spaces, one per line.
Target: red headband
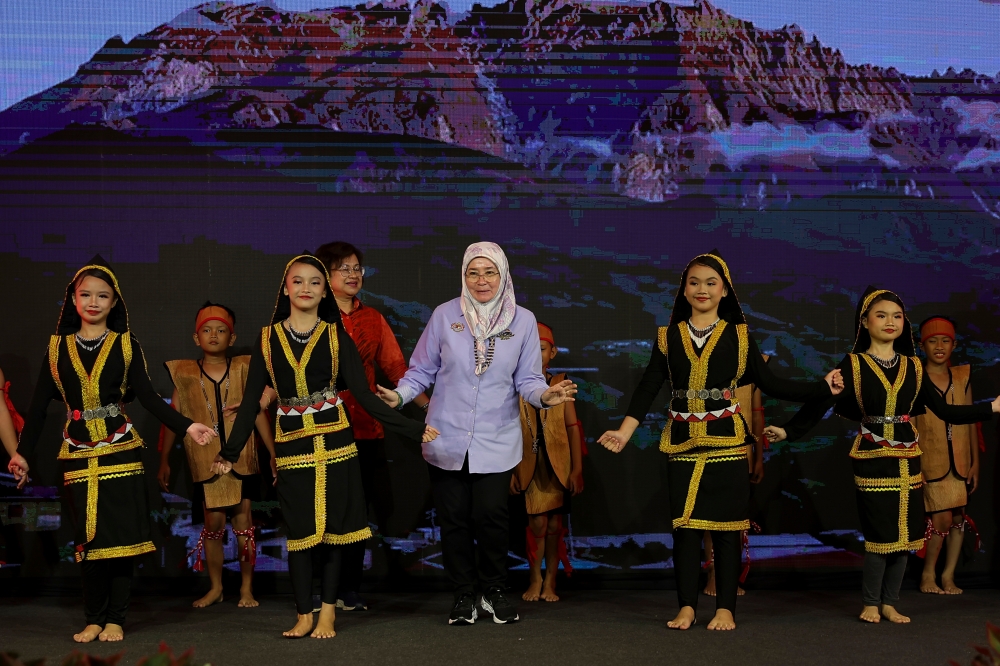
{"x":214,"y":313}
{"x":937,"y":326}
{"x":545,"y":334}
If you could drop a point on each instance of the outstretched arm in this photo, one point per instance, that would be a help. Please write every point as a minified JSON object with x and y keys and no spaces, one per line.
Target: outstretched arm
{"x":649,"y":387}
{"x":759,"y":373}
{"x":246,"y":415}
{"x":955,"y":414}
{"x":138,"y":380}
{"x":813,"y":411}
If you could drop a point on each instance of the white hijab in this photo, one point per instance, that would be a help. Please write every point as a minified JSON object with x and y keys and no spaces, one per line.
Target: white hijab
{"x":485,"y":320}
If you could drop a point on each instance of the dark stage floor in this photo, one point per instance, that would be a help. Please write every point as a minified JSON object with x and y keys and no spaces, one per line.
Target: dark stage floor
{"x":606,"y":627}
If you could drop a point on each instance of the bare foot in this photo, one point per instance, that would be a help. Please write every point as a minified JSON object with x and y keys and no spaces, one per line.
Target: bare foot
{"x":891,"y":614}
{"x":723,"y":621}
{"x":89,"y":633}
{"x":534,"y":587}
{"x":549,"y":589}
{"x":247,"y":600}
{"x":324,"y":624}
{"x":302,"y":627}
{"x":949,"y":586}
{"x":870,"y":614}
{"x":685,"y":618}
{"x":929,"y":586}
{"x":213,"y":597}
{"x":112,"y":633}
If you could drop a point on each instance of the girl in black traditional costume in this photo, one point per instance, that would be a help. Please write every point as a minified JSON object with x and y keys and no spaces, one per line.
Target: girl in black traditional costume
{"x":307,"y":358}
{"x":706,"y":352}
{"x":96,"y":366}
{"x":885,"y":387}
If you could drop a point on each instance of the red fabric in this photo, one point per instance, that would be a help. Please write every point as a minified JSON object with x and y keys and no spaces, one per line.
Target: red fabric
{"x":531,"y":545}
{"x":982,"y":440}
{"x":14,"y":416}
{"x":249,"y":551}
{"x":199,"y":547}
{"x":746,"y":549}
{"x":377,"y":345}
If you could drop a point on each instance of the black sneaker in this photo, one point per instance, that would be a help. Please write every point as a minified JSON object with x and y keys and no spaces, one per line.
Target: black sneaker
{"x":496,"y":603}
{"x":352,"y":601}
{"x":464,"y":610}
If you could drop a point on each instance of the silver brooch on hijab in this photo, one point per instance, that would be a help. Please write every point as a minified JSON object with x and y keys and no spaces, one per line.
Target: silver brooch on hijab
{"x":506,"y":335}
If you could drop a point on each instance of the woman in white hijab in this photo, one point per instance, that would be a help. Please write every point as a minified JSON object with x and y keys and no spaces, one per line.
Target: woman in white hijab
{"x":480,"y":351}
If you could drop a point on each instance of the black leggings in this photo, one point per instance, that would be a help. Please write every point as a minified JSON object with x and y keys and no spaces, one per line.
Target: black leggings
{"x":687,"y":567}
{"x":883,"y":576}
{"x":107,"y":586}
{"x":300,"y":568}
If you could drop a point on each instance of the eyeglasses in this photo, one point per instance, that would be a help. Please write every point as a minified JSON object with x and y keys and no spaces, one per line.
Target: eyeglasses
{"x":346,"y":270}
{"x":489,"y":276}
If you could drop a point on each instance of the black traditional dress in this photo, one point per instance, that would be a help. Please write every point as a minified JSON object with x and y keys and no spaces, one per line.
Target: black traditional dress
{"x":886,"y":450}
{"x":101,"y":451}
{"x":319,"y":477}
{"x":707,"y":436}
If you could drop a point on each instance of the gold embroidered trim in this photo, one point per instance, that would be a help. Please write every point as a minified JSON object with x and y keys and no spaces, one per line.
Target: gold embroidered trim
{"x":90,"y":383}
{"x":299,"y":367}
{"x":127,"y":445}
{"x":344,"y":539}
{"x":661,"y":339}
{"x":319,"y":503}
{"x":903,"y":485}
{"x":732,"y":453}
{"x":871,"y":297}
{"x":127,"y":355}
{"x":116,"y":551}
{"x":692,"y":493}
{"x":309,"y":459}
{"x":92,"y":475}
{"x":714,"y":526}
{"x":744,"y":350}
{"x":891,"y":390}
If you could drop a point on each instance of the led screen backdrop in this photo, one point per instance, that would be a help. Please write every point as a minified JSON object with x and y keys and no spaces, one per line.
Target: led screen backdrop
{"x":820,"y":149}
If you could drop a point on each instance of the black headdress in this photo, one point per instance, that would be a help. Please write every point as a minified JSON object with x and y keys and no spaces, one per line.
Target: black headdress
{"x":729,"y":306}
{"x":863,"y":340}
{"x":69,"y":319}
{"x":328,"y":310}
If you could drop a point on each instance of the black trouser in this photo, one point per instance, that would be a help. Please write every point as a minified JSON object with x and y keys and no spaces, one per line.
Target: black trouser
{"x":472,"y":511}
{"x":300,"y":568}
{"x":687,"y":567}
{"x":107,"y":585}
{"x":378,"y":491}
{"x":883,"y":576}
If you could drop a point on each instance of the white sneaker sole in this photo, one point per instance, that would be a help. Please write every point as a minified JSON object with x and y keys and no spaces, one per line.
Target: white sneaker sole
{"x":465,"y":621}
{"x":489,"y":609}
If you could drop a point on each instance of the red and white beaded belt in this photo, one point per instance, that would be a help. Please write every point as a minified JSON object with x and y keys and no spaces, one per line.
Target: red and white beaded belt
{"x":715,"y":415}
{"x":302,"y":410}
{"x":107,"y":441}
{"x":888,"y":443}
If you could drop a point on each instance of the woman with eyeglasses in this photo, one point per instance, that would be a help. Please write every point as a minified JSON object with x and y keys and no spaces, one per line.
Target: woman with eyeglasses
{"x":378,"y":346}
{"x":480,"y":351}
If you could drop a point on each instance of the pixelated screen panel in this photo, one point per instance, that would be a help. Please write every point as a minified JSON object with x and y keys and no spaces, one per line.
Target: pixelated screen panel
{"x":820,"y":147}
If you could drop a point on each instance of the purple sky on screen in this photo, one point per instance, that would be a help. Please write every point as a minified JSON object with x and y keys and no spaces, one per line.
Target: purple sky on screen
{"x":42,"y":43}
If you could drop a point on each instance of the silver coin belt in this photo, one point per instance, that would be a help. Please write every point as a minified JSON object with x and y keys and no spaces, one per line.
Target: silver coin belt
{"x":905,"y":418}
{"x":705,"y":394}
{"x":108,"y":411}
{"x":312,"y":399}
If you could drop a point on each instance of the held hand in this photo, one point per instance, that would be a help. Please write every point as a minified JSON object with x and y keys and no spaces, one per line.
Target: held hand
{"x":430,"y":434}
{"x":388,"y":396}
{"x":996,"y":405}
{"x":560,"y":393}
{"x":775,"y":434}
{"x":18,"y":466}
{"x":201,"y":433}
{"x":575,"y":482}
{"x":835,"y":381}
{"x":221,"y":466}
{"x":274,"y":470}
{"x":972,"y":480}
{"x":515,"y":487}
{"x":163,"y":476}
{"x":613,"y":440}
